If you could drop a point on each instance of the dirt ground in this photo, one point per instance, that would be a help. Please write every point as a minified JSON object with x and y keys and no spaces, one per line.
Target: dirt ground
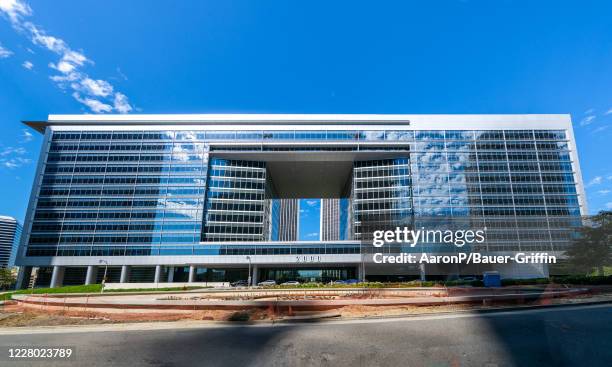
{"x":16,"y":315}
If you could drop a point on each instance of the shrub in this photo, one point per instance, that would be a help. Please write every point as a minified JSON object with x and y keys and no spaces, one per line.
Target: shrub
{"x":584,"y":280}
{"x":507,"y":282}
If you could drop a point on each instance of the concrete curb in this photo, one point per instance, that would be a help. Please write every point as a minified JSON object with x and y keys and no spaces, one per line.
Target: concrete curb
{"x":491,"y":310}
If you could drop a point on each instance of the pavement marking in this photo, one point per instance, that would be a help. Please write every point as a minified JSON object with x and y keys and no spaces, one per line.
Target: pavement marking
{"x":191,"y":324}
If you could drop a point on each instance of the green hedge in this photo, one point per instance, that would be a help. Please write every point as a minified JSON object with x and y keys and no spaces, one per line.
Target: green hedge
{"x":92,"y":288}
{"x":584,"y":280}
{"x":507,"y":282}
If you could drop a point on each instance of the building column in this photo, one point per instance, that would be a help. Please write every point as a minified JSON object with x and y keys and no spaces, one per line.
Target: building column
{"x":192,"y":273}
{"x":57,"y":277}
{"x":23,"y":277}
{"x":422,"y":271}
{"x":125,"y":274}
{"x":157,"y":277}
{"x":255,"y":276}
{"x":90,"y":277}
{"x":360,"y":273}
{"x":170,"y":274}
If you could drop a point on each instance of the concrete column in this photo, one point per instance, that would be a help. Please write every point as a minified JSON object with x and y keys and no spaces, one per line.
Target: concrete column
{"x":92,"y":272}
{"x":23,"y":277}
{"x":422,"y":271}
{"x":158,"y":270}
{"x":170,"y":274}
{"x":360,"y":275}
{"x":255,"y":276}
{"x":125,"y":274}
{"x":192,"y":273}
{"x":57,"y":277}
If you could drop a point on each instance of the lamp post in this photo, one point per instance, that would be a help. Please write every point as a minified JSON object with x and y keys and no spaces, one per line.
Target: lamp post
{"x":249,"y":279}
{"x":104,"y":277}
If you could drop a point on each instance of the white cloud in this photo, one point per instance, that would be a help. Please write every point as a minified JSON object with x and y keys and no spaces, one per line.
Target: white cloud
{"x":590,"y":111}
{"x":608,"y":112}
{"x":61,"y":80}
{"x":26,"y":136}
{"x":96,"y":106}
{"x":15,"y":9}
{"x":312,"y":202}
{"x":28,"y":65}
{"x":15,"y":162}
{"x":604,"y":192}
{"x":312,"y":234}
{"x":98,"y":88}
{"x":4,"y":52}
{"x":587,"y":120}
{"x":6,"y":151}
{"x":595,"y":181}
{"x":600,"y":129}
{"x":93,"y":104}
{"x":97,"y":94}
{"x":121,"y":103}
{"x":12,"y":157}
{"x":63,"y":67}
{"x":609,"y":205}
{"x":38,"y":37}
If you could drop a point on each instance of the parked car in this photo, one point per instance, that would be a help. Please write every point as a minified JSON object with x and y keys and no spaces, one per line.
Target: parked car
{"x":267,"y":282}
{"x":469,"y":279}
{"x":352,"y":281}
{"x":240,"y":283}
{"x":291,"y":282}
{"x":337,"y":282}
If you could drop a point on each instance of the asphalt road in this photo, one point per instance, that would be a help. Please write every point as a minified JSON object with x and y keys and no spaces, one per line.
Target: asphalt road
{"x":569,"y":336}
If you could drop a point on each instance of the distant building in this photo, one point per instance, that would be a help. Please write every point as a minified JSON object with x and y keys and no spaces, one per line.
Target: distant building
{"x":10,"y":235}
{"x":334,"y":220}
{"x":289,"y":219}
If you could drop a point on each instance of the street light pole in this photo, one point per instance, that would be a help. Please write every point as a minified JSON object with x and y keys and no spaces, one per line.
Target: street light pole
{"x":249,"y":279}
{"x":104,"y":277}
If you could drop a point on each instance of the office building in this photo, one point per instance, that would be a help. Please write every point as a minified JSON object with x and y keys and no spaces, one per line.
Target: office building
{"x":195,"y":198}
{"x":10,"y":235}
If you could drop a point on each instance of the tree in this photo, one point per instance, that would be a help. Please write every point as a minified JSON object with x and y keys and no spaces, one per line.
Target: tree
{"x":7,"y":278}
{"x":593,"y":248}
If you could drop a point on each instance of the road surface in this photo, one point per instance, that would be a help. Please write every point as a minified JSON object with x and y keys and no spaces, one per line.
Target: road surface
{"x":568,"y":336}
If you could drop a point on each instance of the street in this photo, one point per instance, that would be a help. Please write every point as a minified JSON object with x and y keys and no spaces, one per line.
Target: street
{"x":568,"y":336}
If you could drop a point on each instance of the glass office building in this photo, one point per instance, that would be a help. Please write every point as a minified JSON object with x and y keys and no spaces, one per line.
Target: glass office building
{"x":190,"y":198}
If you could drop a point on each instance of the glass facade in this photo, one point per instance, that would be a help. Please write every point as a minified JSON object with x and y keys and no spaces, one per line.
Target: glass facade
{"x":138,"y":193}
{"x":119,"y":193}
{"x":236,"y":205}
{"x":10,"y":237}
{"x":519,"y":184}
{"x":382,"y":194}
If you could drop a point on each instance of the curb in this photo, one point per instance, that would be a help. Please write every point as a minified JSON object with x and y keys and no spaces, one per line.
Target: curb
{"x":483,"y":311}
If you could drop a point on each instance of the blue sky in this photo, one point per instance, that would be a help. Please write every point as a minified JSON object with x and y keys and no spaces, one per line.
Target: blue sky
{"x":310,"y":219}
{"x":304,"y":57}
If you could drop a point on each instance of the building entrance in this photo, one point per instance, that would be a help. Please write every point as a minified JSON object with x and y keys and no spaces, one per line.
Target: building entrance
{"x":305,"y":275}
